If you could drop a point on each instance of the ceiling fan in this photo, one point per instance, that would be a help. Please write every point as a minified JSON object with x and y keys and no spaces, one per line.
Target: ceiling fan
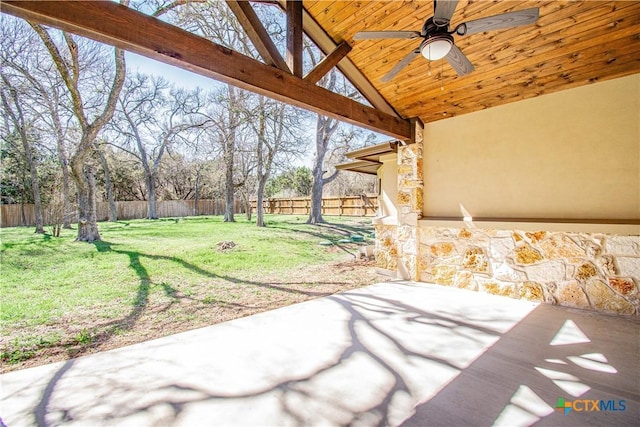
{"x":437,"y":40}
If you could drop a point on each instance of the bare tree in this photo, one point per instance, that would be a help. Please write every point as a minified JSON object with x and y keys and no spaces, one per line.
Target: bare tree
{"x":26,"y":59}
{"x":136,"y":125}
{"x":92,"y":109}
{"x":215,"y":21}
{"x":12,"y":107}
{"x":275,"y":125}
{"x":150,"y":117}
{"x":327,"y":136}
{"x":223,"y":123}
{"x":228,"y":151}
{"x":326,"y":127}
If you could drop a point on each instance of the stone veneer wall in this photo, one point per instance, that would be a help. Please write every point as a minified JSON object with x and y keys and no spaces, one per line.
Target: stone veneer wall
{"x":386,"y":248}
{"x":582,"y":270}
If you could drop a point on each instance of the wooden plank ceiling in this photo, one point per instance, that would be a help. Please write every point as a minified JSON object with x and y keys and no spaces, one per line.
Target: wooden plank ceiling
{"x":573,"y":43}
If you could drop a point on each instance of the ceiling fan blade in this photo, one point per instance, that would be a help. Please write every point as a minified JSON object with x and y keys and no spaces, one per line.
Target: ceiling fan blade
{"x":371,"y":35}
{"x":505,"y":20}
{"x":443,"y":11}
{"x":400,"y":65}
{"x":459,"y":61}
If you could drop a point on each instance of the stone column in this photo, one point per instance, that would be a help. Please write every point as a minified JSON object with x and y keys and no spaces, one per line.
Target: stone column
{"x":410,"y":185}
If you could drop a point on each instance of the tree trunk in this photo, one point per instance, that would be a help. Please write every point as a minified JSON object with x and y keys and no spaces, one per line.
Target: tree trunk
{"x":22,"y":211}
{"x":259,"y":202}
{"x":87,"y":218}
{"x":113,"y":210}
{"x":63,"y":159}
{"x":66,"y":193}
{"x":151,"y":197}
{"x":196,"y":194}
{"x":35,"y":188}
{"x":325,"y":128}
{"x":247,"y":205}
{"x":315,"y":213}
{"x":36,"y":197}
{"x":229,"y":151}
{"x":229,"y":186}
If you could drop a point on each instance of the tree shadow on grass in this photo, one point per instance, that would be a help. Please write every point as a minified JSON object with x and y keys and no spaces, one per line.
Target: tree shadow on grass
{"x":347,"y":229}
{"x":327,"y":231}
{"x":141,"y":301}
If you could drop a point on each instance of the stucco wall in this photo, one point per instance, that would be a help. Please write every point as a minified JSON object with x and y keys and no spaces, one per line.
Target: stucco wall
{"x":573,"y":154}
{"x":388,"y":176}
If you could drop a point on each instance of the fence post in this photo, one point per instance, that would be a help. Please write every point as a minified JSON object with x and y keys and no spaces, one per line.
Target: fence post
{"x":22,"y":215}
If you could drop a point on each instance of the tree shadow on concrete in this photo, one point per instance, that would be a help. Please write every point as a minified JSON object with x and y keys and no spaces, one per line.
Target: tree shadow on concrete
{"x":553,"y":353}
{"x":518,"y":368}
{"x":372,"y":327}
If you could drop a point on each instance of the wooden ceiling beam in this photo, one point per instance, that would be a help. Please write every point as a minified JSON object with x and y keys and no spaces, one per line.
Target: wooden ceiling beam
{"x":117,"y":25}
{"x":257,"y":33}
{"x":294,"y":36}
{"x":320,"y":37}
{"x":328,"y":63}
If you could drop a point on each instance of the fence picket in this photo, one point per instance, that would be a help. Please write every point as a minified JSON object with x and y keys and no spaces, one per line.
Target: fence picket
{"x":24,"y":215}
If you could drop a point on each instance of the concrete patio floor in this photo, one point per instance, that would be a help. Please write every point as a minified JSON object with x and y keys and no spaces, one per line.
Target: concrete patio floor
{"x":393,"y":353}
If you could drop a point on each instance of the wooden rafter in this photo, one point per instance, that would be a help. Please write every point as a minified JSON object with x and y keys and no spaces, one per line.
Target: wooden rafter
{"x":326,"y":43}
{"x":319,"y":36}
{"x":294,"y":36}
{"x":112,"y":23}
{"x":328,"y":63}
{"x":257,"y":33}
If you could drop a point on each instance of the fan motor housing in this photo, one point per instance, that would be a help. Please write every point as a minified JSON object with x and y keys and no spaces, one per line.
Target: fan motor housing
{"x":430,"y":28}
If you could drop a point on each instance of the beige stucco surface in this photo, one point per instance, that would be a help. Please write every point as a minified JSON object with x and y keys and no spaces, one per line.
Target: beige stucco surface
{"x":388,"y":176}
{"x":573,"y":154}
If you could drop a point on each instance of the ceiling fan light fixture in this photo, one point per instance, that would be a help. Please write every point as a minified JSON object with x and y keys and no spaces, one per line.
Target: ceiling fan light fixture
{"x":436,"y":47}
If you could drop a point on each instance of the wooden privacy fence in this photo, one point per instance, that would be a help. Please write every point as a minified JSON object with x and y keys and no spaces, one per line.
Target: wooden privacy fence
{"x":24,"y":215}
{"x":364,"y":205}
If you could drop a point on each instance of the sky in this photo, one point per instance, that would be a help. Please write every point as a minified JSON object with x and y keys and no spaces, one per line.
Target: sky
{"x":173,"y":74}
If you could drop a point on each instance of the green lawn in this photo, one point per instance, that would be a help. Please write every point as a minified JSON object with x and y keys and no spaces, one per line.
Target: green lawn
{"x":61,"y":293}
